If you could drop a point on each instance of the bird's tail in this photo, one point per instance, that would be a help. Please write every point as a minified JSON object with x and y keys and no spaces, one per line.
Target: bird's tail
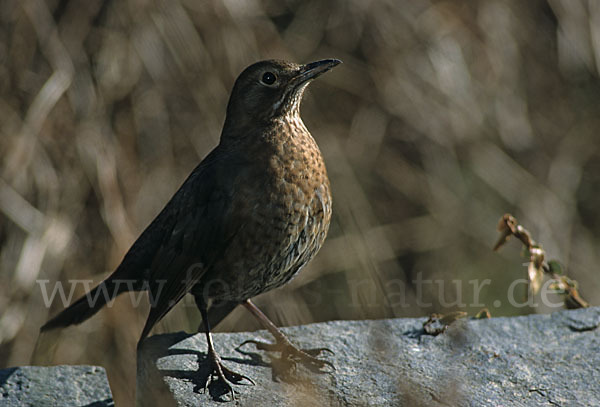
{"x":92,"y":301}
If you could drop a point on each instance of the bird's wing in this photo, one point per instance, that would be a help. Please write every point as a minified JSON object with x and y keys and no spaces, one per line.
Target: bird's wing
{"x":196,"y":228}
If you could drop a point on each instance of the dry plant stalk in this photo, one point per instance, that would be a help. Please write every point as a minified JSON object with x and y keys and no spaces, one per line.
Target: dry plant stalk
{"x":537,"y":267}
{"x":438,"y":323}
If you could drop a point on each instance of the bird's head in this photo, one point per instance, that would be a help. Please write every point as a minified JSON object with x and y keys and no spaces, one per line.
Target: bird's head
{"x":271,"y":89}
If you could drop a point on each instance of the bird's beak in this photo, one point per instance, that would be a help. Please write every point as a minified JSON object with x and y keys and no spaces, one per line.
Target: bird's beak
{"x":314,"y":69}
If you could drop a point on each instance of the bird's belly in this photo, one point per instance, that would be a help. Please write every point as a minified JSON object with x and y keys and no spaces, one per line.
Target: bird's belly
{"x":280,"y":235}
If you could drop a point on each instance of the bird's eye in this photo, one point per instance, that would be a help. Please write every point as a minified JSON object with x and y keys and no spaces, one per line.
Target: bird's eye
{"x":268,"y":78}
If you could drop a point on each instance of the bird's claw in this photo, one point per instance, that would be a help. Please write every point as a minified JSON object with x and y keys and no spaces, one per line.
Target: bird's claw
{"x":293,"y":354}
{"x":224,"y":375}
{"x":236,"y":378}
{"x":318,"y":351}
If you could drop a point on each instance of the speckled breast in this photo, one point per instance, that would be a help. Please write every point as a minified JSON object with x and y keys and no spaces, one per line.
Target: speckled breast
{"x":287,"y":211}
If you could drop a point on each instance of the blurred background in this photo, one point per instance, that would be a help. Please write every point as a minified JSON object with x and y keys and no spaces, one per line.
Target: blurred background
{"x":444,"y":116}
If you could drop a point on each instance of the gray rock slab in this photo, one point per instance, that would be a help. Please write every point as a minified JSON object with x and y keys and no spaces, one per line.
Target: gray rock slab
{"x":42,"y":386}
{"x":536,"y":360}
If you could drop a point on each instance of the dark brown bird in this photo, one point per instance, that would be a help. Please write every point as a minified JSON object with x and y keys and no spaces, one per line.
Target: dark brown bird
{"x":246,"y":220}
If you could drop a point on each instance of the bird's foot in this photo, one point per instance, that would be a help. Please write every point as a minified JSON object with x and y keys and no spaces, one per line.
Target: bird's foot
{"x":223,"y":375}
{"x":292,"y":355}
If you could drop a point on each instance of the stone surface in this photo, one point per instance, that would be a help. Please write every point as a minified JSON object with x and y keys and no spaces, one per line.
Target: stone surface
{"x":537,"y":360}
{"x":41,"y":386}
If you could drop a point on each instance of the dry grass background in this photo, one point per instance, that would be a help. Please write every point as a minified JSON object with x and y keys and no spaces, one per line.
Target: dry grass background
{"x":444,"y":116}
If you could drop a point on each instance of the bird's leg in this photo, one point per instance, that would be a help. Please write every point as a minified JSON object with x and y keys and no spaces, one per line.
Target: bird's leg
{"x":289,"y":352}
{"x":222,"y":373}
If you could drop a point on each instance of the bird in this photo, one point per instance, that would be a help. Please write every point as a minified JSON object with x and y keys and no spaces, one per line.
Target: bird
{"x":247,"y":219}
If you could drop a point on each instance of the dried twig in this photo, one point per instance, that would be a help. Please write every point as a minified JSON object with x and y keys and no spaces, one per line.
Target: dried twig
{"x":537,"y":267}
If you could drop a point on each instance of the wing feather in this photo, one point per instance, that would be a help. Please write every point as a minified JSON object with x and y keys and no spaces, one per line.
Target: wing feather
{"x":196,"y":228}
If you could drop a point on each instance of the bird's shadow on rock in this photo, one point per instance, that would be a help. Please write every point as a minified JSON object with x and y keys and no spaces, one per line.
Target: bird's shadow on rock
{"x":202,"y":378}
{"x":415,"y":333}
